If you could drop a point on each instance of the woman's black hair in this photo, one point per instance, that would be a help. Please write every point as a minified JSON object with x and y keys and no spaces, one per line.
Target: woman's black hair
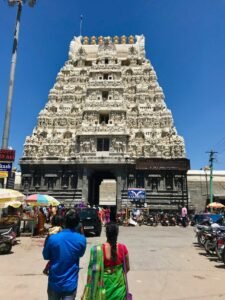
{"x":112,"y":231}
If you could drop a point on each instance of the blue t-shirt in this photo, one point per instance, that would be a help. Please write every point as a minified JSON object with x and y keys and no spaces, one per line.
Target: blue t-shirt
{"x":64,"y":250}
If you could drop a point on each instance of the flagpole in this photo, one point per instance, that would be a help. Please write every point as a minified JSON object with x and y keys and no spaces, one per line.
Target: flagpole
{"x":81,"y":23}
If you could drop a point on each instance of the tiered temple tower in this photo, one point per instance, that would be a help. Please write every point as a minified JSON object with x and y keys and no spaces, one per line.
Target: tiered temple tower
{"x":106,"y":118}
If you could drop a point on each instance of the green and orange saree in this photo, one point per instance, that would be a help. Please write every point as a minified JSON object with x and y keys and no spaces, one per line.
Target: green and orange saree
{"x":103,"y":283}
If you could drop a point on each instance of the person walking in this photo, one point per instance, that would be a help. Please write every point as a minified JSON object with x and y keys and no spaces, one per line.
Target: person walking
{"x":184,"y":216}
{"x":41,"y":222}
{"x":107,"y":215}
{"x":64,"y":250}
{"x":107,"y":269}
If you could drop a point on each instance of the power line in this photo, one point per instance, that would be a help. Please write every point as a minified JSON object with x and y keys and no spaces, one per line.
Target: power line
{"x":220,"y":159}
{"x":221,"y":152}
{"x":220,"y":143}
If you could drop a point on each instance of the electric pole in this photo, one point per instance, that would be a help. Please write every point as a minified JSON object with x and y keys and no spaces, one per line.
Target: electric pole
{"x":19,"y":4}
{"x":211,"y":160}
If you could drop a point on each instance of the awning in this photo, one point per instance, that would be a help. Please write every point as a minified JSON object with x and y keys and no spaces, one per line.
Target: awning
{"x":3,"y":174}
{"x":219,"y":196}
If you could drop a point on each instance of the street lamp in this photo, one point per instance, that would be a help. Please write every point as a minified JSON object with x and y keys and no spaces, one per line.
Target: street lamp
{"x":19,"y":4}
{"x":31,"y":3}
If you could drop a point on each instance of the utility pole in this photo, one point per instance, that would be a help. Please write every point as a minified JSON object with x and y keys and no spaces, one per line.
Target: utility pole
{"x":8,"y":111}
{"x":211,"y":160}
{"x":19,"y":3}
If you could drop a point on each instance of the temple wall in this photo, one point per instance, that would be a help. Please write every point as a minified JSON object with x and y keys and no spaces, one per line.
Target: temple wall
{"x":198,"y":187}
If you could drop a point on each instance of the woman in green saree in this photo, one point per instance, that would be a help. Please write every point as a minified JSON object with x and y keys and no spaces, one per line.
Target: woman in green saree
{"x":106,"y":278}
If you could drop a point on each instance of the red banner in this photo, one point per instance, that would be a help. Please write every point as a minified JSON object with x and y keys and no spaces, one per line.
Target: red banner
{"x":7,"y":155}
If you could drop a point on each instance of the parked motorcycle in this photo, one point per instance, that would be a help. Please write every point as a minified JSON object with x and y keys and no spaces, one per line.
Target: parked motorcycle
{"x":150,"y":220}
{"x":201,"y":232}
{"x":211,"y":242}
{"x":165,"y":220}
{"x":172,"y":220}
{"x":7,"y":240}
{"x":9,"y":231}
{"x":220,"y":246}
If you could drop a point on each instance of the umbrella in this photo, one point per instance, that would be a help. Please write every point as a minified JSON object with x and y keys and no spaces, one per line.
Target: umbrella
{"x":41,"y":200}
{"x":13,"y":203}
{"x":215,"y":205}
{"x":7,"y":195}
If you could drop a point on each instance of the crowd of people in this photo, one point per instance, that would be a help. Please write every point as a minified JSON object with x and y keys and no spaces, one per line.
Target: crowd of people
{"x":108,"y":263}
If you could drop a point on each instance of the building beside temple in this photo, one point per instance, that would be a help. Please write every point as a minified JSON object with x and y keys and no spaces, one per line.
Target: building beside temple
{"x":106,"y":119}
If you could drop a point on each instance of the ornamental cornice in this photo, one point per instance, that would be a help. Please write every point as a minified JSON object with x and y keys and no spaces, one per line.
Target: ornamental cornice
{"x":100,"y":129}
{"x":100,"y":84}
{"x":99,"y":106}
{"x":102,"y":134}
{"x":106,"y":68}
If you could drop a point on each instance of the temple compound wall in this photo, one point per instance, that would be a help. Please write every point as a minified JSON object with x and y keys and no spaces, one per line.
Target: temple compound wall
{"x":106,"y":118}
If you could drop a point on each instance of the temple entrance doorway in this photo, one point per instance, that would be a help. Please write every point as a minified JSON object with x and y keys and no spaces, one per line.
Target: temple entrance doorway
{"x":102,"y":183}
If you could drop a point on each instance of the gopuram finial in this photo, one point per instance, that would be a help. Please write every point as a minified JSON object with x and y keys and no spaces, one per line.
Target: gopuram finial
{"x":131,"y":39}
{"x":116,"y":39}
{"x":123,"y":39}
{"x":86,"y":40}
{"x":93,"y":40}
{"x":100,"y":40}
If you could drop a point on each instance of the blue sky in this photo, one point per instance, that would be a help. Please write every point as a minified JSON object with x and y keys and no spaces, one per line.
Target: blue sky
{"x":185,"y":41}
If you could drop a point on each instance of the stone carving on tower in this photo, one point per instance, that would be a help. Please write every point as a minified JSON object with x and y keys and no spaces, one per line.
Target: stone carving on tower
{"x":106,"y":101}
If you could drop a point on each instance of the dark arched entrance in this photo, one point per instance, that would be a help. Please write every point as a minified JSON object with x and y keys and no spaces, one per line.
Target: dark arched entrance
{"x":95,"y":180}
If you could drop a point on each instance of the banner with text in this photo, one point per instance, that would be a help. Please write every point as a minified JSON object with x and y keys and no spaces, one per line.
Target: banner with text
{"x":5,"y":166}
{"x":7,"y":155}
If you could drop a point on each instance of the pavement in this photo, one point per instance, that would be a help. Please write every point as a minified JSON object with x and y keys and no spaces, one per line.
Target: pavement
{"x":166,"y":264}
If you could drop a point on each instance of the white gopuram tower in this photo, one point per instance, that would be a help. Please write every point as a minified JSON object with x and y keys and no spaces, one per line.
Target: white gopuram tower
{"x":106,"y":118}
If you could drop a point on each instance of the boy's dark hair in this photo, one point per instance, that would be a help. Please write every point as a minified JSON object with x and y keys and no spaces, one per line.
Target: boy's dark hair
{"x":72,"y":219}
{"x":57,"y":220}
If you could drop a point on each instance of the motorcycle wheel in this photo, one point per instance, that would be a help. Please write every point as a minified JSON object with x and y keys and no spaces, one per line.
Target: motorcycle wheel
{"x":208,"y":247}
{"x":5,"y":248}
{"x":201,"y":240}
{"x":223,"y":256}
{"x":218,"y":253}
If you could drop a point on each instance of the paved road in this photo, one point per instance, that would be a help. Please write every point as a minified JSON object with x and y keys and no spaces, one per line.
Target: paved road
{"x":165,"y":265}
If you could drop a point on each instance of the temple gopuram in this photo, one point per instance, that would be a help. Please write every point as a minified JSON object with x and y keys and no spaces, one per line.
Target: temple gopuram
{"x":106,"y":119}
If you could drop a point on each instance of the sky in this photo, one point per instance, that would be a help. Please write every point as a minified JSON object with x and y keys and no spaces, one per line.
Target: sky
{"x":185,"y":42}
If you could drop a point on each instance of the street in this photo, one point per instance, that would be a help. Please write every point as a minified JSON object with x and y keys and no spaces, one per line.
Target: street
{"x":166,"y":264}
